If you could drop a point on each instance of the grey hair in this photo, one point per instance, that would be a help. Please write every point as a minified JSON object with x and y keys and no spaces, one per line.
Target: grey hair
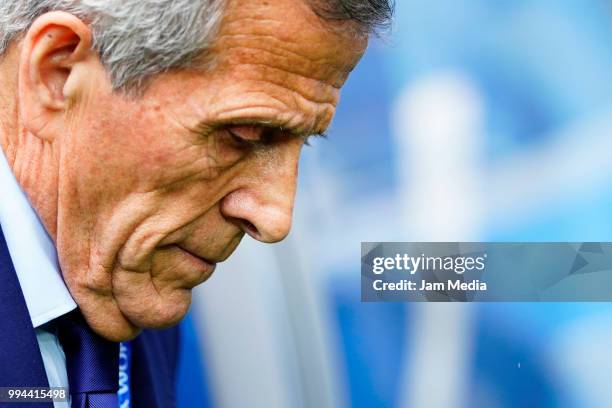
{"x":138,"y":39}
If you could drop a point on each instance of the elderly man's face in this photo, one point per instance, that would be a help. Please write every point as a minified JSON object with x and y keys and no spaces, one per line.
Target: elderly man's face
{"x":153,"y":191}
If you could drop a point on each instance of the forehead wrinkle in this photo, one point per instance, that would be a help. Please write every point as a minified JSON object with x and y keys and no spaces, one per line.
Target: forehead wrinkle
{"x":269,"y":58}
{"x":270,"y":44}
{"x":292,"y":26}
{"x":288,"y":10}
{"x":282,"y":82}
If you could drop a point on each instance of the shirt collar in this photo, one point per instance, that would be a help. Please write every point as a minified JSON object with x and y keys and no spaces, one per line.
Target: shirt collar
{"x":32,"y":252}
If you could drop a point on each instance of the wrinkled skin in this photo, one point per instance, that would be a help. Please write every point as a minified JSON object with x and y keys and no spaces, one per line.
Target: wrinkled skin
{"x":144,"y":195}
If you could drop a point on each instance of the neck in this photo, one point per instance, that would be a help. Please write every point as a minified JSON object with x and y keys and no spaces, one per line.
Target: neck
{"x":33,"y":161}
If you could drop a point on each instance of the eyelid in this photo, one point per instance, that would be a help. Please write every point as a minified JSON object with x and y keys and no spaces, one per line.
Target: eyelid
{"x":260,"y":135}
{"x":247,"y":132}
{"x":246,"y":143}
{"x":266,"y":134}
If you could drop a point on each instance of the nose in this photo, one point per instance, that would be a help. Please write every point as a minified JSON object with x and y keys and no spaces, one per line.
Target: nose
{"x":263,"y":204}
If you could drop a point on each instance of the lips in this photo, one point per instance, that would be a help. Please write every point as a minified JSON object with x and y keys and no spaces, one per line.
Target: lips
{"x":204,"y":265}
{"x":196,"y":255}
{"x":198,"y":265}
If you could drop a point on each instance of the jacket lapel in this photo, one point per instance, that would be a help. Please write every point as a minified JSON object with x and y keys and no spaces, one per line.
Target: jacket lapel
{"x":21,"y":363}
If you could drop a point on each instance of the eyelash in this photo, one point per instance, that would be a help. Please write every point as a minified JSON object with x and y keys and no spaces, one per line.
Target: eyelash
{"x":308,"y":138}
{"x":250,"y":144}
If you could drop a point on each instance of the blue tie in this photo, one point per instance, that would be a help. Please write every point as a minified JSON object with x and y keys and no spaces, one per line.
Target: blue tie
{"x":92,"y":363}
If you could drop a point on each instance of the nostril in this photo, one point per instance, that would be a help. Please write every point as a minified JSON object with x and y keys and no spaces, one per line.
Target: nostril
{"x":247,"y":226}
{"x":250,"y":228}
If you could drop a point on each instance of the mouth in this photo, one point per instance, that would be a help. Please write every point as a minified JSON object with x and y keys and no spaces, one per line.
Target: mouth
{"x":205,"y":265}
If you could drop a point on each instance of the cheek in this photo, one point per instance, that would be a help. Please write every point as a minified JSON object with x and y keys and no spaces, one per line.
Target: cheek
{"x":128,"y":148}
{"x":144,"y":145}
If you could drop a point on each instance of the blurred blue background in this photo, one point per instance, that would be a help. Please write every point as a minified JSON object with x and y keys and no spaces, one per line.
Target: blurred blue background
{"x":474,"y":120}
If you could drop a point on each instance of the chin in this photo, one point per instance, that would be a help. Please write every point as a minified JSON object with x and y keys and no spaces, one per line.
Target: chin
{"x":123,"y":336}
{"x":163,"y":312}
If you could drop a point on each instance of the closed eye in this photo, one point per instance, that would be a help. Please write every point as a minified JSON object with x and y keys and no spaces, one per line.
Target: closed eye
{"x":242,"y":143}
{"x":260,"y":136}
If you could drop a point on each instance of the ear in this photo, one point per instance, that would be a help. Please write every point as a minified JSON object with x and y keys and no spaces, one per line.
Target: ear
{"x":54,"y":48}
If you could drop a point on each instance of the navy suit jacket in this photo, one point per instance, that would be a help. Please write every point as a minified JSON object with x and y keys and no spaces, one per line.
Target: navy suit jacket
{"x":154,"y":352}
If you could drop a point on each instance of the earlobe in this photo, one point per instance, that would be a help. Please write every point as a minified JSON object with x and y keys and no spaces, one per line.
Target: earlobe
{"x":52,"y":48}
